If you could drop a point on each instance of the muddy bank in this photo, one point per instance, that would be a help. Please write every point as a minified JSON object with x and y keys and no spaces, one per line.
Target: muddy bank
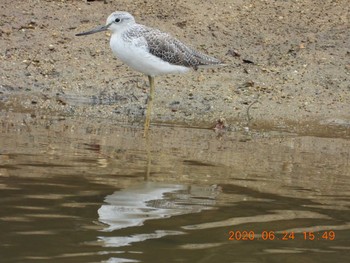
{"x":298,"y":79}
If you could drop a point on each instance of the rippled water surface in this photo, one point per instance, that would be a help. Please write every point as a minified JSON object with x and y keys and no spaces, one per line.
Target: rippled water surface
{"x":88,"y":191}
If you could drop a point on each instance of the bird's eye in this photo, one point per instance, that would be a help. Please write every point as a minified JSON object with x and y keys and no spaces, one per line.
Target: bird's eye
{"x":117,"y":20}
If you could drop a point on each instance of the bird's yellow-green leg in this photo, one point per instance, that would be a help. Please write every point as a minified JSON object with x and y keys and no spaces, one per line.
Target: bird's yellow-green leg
{"x":149,"y":105}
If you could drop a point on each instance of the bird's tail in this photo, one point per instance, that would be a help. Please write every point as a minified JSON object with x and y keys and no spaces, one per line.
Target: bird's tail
{"x":205,"y":61}
{"x":212,"y":65}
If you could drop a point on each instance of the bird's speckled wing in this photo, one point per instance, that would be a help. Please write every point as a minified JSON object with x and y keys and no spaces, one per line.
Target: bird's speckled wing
{"x":169,"y":49}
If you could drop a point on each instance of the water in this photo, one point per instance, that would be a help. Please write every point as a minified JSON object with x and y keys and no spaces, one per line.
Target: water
{"x":84,"y":190}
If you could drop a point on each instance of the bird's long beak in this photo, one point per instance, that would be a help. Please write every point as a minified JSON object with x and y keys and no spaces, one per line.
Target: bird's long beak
{"x":95,"y":30}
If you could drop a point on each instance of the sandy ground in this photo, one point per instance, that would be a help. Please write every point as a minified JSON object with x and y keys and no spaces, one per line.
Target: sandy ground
{"x":299,"y":78}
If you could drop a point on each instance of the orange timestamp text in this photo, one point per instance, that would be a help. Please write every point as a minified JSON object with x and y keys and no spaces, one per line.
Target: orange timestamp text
{"x":246,"y":235}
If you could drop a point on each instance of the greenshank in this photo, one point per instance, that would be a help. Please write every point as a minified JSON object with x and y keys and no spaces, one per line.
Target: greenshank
{"x":150,"y":51}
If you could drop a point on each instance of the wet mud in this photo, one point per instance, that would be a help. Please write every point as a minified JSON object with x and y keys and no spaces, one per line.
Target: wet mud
{"x":287,"y":64}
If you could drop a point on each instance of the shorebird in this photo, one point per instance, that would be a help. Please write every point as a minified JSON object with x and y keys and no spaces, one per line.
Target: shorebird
{"x":150,"y":51}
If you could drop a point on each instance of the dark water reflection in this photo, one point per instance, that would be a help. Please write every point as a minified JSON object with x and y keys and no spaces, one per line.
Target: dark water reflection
{"x":75,"y":191}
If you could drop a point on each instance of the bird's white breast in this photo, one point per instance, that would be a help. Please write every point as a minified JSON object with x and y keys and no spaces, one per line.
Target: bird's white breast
{"x":136,"y":55}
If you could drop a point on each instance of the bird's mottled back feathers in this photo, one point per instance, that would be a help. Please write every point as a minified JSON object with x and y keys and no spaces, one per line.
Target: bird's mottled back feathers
{"x":167,"y":48}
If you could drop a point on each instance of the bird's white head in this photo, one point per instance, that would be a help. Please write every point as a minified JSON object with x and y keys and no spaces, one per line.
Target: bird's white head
{"x":118,"y":20}
{"x":115,"y":22}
